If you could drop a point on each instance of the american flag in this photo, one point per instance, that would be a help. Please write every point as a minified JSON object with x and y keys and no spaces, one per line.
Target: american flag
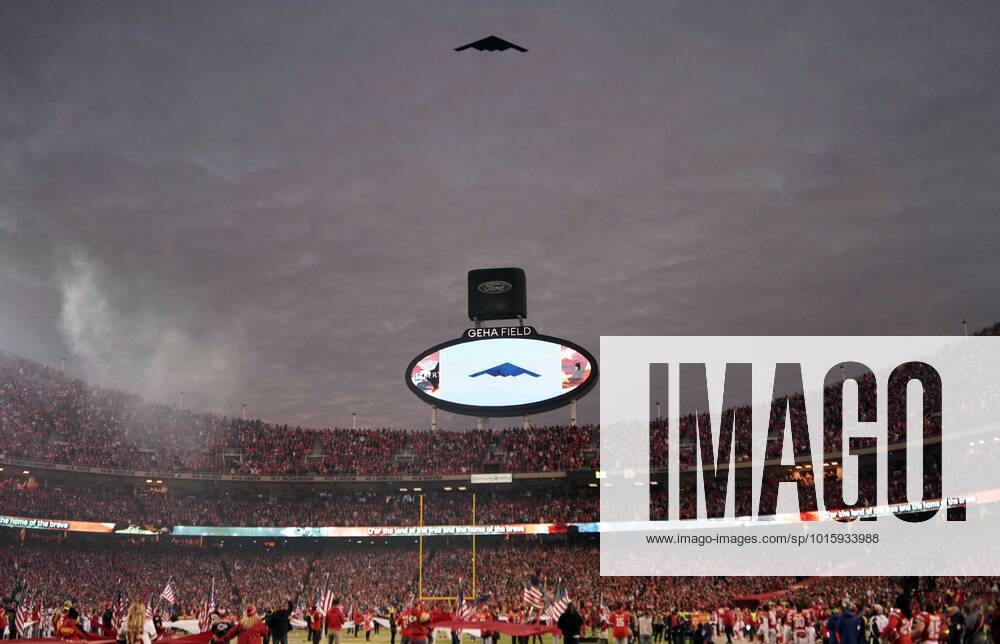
{"x":205,"y":616}
{"x":118,"y":611}
{"x":23,"y":618}
{"x":168,"y":594}
{"x":466,"y":609}
{"x":559,"y":603}
{"x":326,"y":602}
{"x":533,"y":595}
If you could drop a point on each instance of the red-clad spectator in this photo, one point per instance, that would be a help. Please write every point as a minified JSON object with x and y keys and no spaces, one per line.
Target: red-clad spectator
{"x":619,"y":621}
{"x":334,"y":622}
{"x":250,"y":629}
{"x":415,"y":624}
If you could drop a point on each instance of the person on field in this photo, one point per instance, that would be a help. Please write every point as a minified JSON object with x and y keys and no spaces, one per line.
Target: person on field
{"x":279,"y":623}
{"x":334,"y":622}
{"x":570,"y":623}
{"x":315,"y":617}
{"x":249,"y":630}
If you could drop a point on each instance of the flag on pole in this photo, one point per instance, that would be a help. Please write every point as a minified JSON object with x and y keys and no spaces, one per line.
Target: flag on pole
{"x":532,"y":595}
{"x":205,"y":616}
{"x":22,"y":619}
{"x":118,"y":611}
{"x":326,"y":599}
{"x":168,"y":594}
{"x":559,"y":603}
{"x":465,"y":609}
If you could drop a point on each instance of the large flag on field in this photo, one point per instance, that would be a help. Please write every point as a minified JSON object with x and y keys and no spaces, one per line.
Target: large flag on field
{"x":533,"y":595}
{"x":559,"y":603}
{"x":205,"y":615}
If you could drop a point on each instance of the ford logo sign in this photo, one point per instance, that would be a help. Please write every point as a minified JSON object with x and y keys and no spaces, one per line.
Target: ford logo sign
{"x":494,"y":287}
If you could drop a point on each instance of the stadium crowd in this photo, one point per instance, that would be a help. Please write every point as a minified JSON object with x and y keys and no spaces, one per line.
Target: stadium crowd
{"x":48,"y":416}
{"x":373,"y":577}
{"x":123,"y":505}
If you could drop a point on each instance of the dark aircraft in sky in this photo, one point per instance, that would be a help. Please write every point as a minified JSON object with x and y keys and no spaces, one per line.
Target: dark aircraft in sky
{"x":491,"y":43}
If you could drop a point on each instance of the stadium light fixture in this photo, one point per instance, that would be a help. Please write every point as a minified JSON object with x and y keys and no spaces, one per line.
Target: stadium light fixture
{"x":26,"y":472}
{"x":654,"y":482}
{"x":418,"y":489}
{"x":149,"y":480}
{"x":462,"y":488}
{"x":403,"y":489}
{"x":591,"y":484}
{"x":447,"y":488}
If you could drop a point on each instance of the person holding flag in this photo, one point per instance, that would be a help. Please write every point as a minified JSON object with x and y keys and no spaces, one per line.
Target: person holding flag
{"x":22,"y":619}
{"x":464,"y":611}
{"x":315,"y":624}
{"x":205,"y":615}
{"x":119,"y":609}
{"x":167,"y":594}
{"x":559,"y":603}
{"x":334,"y":622}
{"x":107,"y":620}
{"x":533,"y":594}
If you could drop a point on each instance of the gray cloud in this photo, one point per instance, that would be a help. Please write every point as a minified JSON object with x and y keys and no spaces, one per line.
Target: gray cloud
{"x":276,"y":204}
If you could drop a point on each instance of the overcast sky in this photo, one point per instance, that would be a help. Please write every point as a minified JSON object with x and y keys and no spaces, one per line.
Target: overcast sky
{"x":277,"y":203}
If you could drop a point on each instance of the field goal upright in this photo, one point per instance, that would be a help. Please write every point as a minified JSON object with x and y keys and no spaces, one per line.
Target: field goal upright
{"x":420,"y":558}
